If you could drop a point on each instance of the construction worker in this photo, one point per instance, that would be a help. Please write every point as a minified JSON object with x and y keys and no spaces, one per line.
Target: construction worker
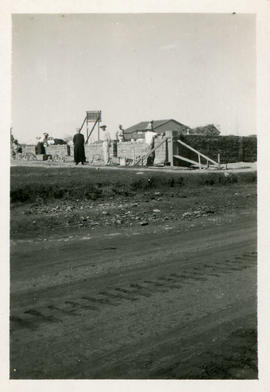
{"x":120,"y":134}
{"x":45,"y":139}
{"x":40,"y":149}
{"x":150,"y":136}
{"x":106,"y":137}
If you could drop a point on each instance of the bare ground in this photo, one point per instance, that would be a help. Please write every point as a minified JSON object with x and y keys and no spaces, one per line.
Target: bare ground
{"x":158,"y":285}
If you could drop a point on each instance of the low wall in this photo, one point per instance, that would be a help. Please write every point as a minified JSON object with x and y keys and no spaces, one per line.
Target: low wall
{"x":28,"y":148}
{"x":131,"y":151}
{"x":94,"y":152}
{"x":58,"y":151}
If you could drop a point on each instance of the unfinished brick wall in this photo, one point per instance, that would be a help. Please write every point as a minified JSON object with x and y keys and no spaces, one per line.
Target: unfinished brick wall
{"x":28,"y":148}
{"x":28,"y":153}
{"x":127,"y":150}
{"x":230,"y":148}
{"x":94,"y":152}
{"x":131,"y":150}
{"x":60,"y":151}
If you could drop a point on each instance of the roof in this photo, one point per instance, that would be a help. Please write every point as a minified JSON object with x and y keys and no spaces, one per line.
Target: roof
{"x":142,"y":126}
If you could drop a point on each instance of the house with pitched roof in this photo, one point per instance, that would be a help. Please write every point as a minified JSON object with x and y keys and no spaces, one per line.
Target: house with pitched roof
{"x":138,"y":130}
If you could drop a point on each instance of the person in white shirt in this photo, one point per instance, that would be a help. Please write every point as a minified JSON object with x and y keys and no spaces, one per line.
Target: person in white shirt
{"x":50,"y":141}
{"x":120,"y":134}
{"x":150,"y":140}
{"x":45,"y":138}
{"x":106,"y":145}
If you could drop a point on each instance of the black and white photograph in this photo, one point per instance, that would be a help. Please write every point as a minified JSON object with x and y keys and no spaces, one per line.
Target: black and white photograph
{"x":133,"y":238}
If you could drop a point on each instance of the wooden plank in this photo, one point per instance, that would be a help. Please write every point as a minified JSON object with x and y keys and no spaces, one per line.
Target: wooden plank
{"x":171,"y":149}
{"x":83,"y":123}
{"x":188,"y":160}
{"x":92,"y":130}
{"x":197,"y":152}
{"x":150,"y":152}
{"x":169,"y":135}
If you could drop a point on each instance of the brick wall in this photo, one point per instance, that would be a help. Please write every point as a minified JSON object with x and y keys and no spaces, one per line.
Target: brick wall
{"x":131,"y":150}
{"x":128,"y":150}
{"x":230,"y":148}
{"x":28,"y":148}
{"x":60,"y":151}
{"x":94,"y":153}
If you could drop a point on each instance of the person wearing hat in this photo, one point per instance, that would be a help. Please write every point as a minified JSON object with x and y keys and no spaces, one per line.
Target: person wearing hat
{"x":106,"y":144}
{"x":79,"y":152}
{"x":45,"y":139}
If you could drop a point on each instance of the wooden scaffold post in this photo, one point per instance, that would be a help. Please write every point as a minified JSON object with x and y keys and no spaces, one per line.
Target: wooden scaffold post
{"x":169,"y":136}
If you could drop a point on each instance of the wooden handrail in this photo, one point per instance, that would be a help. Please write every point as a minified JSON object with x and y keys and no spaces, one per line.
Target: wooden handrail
{"x":150,"y":152}
{"x":83,"y":123}
{"x":197,"y":152}
{"x":189,"y":160}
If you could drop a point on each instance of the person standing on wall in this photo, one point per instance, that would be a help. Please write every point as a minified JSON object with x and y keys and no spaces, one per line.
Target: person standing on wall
{"x":40,"y":149}
{"x":106,"y":145}
{"x":45,"y":139}
{"x":79,"y":152}
{"x":120,"y":134}
{"x":150,"y":141}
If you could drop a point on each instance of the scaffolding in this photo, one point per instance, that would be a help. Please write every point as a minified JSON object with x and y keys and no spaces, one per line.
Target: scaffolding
{"x":91,"y":117}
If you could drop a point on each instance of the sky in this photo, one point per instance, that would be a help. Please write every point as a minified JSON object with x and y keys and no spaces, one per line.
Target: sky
{"x":194,"y":68}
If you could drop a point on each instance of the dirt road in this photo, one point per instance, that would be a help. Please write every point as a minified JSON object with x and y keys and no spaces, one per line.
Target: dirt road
{"x":169,"y":304}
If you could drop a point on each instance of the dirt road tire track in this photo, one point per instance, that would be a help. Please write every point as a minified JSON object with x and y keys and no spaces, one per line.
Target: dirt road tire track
{"x":143,"y":318}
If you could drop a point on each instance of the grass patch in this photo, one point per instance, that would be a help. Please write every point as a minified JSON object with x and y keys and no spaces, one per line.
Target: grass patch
{"x":31,"y":183}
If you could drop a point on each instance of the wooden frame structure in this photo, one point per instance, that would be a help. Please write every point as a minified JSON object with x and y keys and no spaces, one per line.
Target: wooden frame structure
{"x":150,"y":152}
{"x":171,"y":155}
{"x":91,"y":117}
{"x":200,"y":155}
